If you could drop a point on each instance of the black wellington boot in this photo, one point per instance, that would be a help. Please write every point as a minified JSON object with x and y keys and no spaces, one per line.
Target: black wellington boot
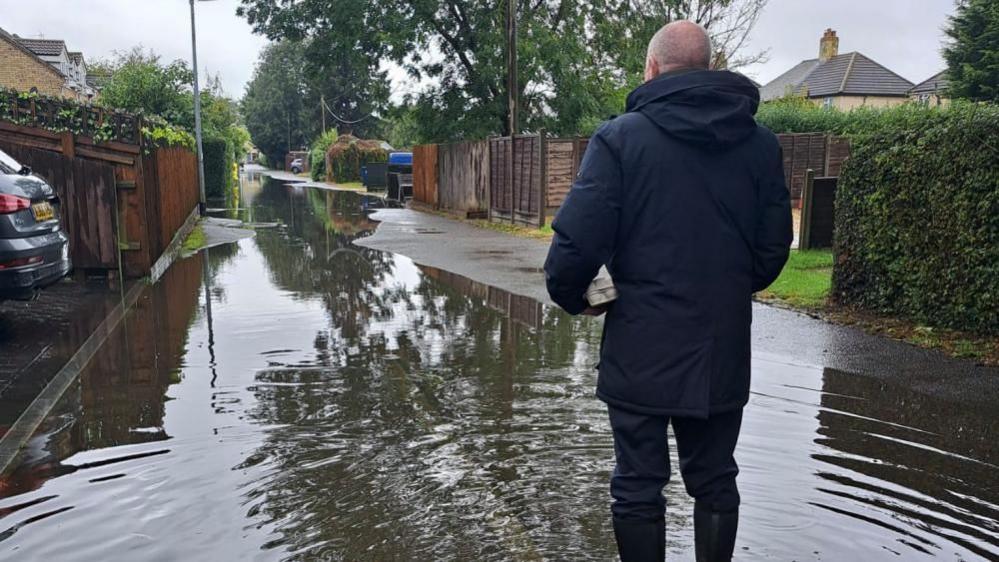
{"x":714,"y":534}
{"x":640,"y":541}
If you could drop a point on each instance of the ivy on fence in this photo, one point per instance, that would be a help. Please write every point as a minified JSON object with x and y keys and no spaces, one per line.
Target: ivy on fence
{"x":101,"y":124}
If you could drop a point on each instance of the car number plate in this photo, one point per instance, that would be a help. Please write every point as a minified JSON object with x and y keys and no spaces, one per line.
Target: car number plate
{"x":43,"y":211}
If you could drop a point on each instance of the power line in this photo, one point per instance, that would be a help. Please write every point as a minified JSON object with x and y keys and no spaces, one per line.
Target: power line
{"x":340,"y":119}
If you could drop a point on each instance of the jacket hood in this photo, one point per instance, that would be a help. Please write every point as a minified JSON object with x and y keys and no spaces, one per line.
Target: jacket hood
{"x":706,"y":107}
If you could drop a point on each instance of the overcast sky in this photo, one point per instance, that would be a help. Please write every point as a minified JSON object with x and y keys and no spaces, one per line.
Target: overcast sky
{"x":904,"y":35}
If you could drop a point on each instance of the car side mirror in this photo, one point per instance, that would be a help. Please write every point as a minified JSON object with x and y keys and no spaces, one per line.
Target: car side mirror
{"x":25,"y":171}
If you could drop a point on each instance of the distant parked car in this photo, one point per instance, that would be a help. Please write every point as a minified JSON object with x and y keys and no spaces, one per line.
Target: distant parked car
{"x":34,"y":252}
{"x":297,"y":165}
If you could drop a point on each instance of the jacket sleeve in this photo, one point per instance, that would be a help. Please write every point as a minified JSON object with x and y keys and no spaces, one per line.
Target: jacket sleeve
{"x":585,"y":227}
{"x":774,"y":227}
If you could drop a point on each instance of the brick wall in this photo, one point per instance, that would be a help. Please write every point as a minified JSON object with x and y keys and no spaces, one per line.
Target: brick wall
{"x":20,"y":71}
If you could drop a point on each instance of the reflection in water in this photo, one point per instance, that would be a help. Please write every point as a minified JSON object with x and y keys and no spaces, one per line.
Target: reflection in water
{"x":343,"y":403}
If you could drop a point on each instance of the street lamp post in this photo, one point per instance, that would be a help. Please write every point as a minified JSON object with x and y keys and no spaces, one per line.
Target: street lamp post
{"x":197,"y":116}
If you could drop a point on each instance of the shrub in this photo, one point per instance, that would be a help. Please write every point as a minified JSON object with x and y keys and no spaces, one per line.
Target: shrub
{"x":346,"y":156}
{"x":218,"y":158}
{"x":317,"y":154}
{"x":917,"y":219}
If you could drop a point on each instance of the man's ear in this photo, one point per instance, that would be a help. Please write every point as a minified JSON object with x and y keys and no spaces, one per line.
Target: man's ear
{"x":651,"y":68}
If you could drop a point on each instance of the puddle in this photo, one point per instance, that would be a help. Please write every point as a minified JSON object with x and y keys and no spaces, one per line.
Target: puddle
{"x":336,"y":402}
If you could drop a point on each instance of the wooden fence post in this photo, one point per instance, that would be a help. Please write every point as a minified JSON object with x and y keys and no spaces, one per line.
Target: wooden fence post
{"x":805,"y":226}
{"x":543,"y":189}
{"x":510,"y":168}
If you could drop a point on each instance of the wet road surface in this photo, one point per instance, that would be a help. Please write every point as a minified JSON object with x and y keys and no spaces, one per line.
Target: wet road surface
{"x":343,"y":403}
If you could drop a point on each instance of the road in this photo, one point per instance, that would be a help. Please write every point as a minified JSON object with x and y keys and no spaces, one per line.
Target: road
{"x":344,"y":388}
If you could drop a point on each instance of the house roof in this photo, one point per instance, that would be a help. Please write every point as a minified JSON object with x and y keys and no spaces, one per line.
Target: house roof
{"x":44,"y":47}
{"x":97,"y":79}
{"x":846,"y":74}
{"x":931,"y":85}
{"x":16,"y":42}
{"x":76,"y":57}
{"x":790,"y":82}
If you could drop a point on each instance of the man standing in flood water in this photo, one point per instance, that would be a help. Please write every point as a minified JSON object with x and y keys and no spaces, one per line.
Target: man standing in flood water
{"x":683,"y":199}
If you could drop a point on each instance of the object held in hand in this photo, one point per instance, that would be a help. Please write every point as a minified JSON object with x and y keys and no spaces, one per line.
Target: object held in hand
{"x":601,"y":291}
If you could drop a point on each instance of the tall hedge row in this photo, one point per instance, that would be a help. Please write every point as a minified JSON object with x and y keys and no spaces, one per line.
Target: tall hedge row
{"x":917,"y":220}
{"x":218,"y":157}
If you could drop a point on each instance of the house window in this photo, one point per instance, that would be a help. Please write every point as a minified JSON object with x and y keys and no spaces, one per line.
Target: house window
{"x":828,"y":102}
{"x":924,"y":99}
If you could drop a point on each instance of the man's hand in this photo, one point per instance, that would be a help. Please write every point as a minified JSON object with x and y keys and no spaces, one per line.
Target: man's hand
{"x":595,"y":310}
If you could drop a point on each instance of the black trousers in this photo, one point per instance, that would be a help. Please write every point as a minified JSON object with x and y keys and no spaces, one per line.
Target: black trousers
{"x":707,"y":464}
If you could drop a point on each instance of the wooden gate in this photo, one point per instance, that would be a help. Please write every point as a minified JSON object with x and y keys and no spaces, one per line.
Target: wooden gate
{"x":463,"y":172}
{"x":425,"y":174}
{"x":818,"y":204}
{"x":86,"y":190}
{"x":517,"y":186}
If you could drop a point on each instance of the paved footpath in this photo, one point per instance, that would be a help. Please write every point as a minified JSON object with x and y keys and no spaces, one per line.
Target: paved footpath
{"x":514,"y":264}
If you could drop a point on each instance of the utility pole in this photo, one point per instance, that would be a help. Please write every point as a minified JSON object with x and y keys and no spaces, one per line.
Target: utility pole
{"x":322,"y":110}
{"x":197,"y":118}
{"x":511,"y":65}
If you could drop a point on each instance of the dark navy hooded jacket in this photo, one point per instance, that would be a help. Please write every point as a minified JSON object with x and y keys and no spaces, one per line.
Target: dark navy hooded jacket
{"x":683,"y":199}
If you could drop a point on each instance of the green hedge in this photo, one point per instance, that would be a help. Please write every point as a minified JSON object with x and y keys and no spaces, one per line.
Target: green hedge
{"x":799,"y":115}
{"x":917,"y":219}
{"x":218,"y":157}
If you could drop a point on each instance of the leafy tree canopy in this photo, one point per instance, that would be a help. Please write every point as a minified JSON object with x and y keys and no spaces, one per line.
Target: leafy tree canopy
{"x":973,"y":52}
{"x":140,"y":82}
{"x":576,"y":59}
{"x":274,"y":103}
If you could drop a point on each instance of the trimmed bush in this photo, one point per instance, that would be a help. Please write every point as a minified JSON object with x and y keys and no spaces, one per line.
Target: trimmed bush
{"x":218,"y":157}
{"x":917,"y":219}
{"x":346,"y":156}
{"x":317,"y":154}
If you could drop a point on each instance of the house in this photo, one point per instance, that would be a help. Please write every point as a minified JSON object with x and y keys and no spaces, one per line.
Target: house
{"x":843,"y":81}
{"x":932,"y":91}
{"x":23,"y":70}
{"x":45,"y":65}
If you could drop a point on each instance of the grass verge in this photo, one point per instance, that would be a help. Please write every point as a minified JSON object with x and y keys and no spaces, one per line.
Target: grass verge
{"x":805,"y":281}
{"x":350,"y":185}
{"x":195,"y":240}
{"x":543,"y":233}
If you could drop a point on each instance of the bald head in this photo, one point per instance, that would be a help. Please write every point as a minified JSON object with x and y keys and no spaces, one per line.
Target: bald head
{"x":678,"y":45}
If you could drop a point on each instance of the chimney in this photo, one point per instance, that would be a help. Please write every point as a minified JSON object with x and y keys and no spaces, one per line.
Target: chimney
{"x":828,"y":46}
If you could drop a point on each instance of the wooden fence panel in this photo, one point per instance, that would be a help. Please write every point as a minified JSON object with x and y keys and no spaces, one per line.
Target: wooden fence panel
{"x":425,"y":174}
{"x":837,"y":151}
{"x":500,"y":192}
{"x":820,"y":152}
{"x":174,"y":189}
{"x":464,"y":177}
{"x":87,"y":202}
{"x":517,"y":186}
{"x":116,"y":209}
{"x":563,"y":159}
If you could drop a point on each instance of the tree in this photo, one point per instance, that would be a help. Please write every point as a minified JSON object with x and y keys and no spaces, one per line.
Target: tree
{"x":274,"y":103}
{"x":338,"y":59}
{"x":576,"y":59}
{"x":972,"y":54}
{"x":139,"y":82}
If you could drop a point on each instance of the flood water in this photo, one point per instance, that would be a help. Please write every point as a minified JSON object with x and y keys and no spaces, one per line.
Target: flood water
{"x":338,"y":403}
